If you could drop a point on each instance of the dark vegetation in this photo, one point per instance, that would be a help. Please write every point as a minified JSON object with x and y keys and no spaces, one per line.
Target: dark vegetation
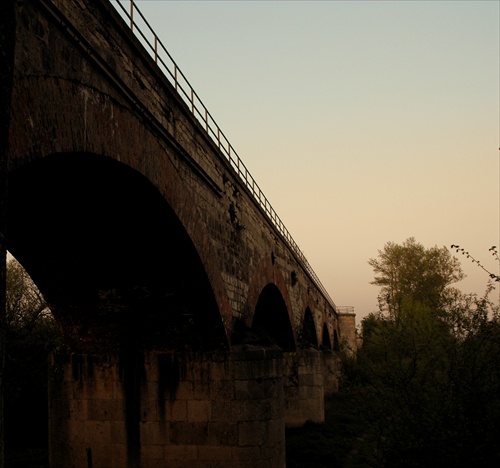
{"x":31,"y":334}
{"x":423,"y":391}
{"x":342,"y":441}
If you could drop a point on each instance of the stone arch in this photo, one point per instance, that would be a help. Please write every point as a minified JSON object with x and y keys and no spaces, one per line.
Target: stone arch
{"x":93,"y":116}
{"x":67,"y":115}
{"x":326,"y":343}
{"x":309,"y":335}
{"x":271,"y":321}
{"x":267,"y":289}
{"x":111,"y":256}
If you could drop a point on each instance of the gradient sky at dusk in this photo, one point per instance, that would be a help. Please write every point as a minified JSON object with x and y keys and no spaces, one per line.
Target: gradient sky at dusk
{"x":363,"y":122}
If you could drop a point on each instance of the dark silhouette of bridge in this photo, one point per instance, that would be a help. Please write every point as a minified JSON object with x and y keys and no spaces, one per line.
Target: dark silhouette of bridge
{"x":195,"y":327}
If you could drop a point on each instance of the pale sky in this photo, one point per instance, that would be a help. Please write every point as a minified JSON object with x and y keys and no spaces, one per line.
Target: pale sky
{"x":363,"y":122}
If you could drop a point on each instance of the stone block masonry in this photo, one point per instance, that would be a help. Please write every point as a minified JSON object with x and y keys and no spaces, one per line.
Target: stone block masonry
{"x":304,"y":387}
{"x":153,"y":410}
{"x":347,"y":322}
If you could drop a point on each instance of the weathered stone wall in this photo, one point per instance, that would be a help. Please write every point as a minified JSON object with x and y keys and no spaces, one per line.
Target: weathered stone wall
{"x":347,"y":323}
{"x":154,"y":410}
{"x":304,"y":387}
{"x":331,"y":372}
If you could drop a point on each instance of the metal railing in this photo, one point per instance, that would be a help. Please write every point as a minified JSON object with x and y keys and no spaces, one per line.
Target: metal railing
{"x":345,"y":310}
{"x":167,"y":65}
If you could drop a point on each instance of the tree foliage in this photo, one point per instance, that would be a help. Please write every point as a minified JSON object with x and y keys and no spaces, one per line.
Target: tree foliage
{"x":31,"y":334}
{"x":412,"y":271}
{"x":494,"y":252}
{"x":429,"y":368}
{"x":25,"y":305}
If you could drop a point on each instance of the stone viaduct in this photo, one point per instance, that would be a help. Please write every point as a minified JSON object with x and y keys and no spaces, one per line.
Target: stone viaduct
{"x":195,"y":328}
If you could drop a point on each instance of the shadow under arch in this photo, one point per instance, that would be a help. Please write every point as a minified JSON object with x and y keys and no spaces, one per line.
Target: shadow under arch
{"x":111,"y":257}
{"x":271,"y":319}
{"x":267,"y":294}
{"x":309,"y":335}
{"x":326,"y":343}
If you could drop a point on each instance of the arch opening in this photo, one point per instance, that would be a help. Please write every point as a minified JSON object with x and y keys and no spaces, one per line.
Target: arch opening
{"x":271,"y":321}
{"x":110,"y":256}
{"x":325,"y":341}
{"x":309,"y":336}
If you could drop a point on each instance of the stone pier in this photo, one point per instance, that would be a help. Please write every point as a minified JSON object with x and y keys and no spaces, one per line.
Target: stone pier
{"x":154,"y":410}
{"x":331,"y":372}
{"x":304,"y":387}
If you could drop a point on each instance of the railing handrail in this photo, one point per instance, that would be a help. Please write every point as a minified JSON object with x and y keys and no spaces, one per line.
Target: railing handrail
{"x":346,"y":310}
{"x":193,"y":101}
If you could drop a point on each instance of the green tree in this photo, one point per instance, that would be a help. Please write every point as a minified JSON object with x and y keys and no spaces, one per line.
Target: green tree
{"x":411,"y":271}
{"x":429,"y":368}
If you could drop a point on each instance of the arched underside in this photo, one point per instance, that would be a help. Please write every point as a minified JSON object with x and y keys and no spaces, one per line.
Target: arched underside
{"x":326,"y":343}
{"x":309,"y":336}
{"x":110,"y":256}
{"x":271,"y":318}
